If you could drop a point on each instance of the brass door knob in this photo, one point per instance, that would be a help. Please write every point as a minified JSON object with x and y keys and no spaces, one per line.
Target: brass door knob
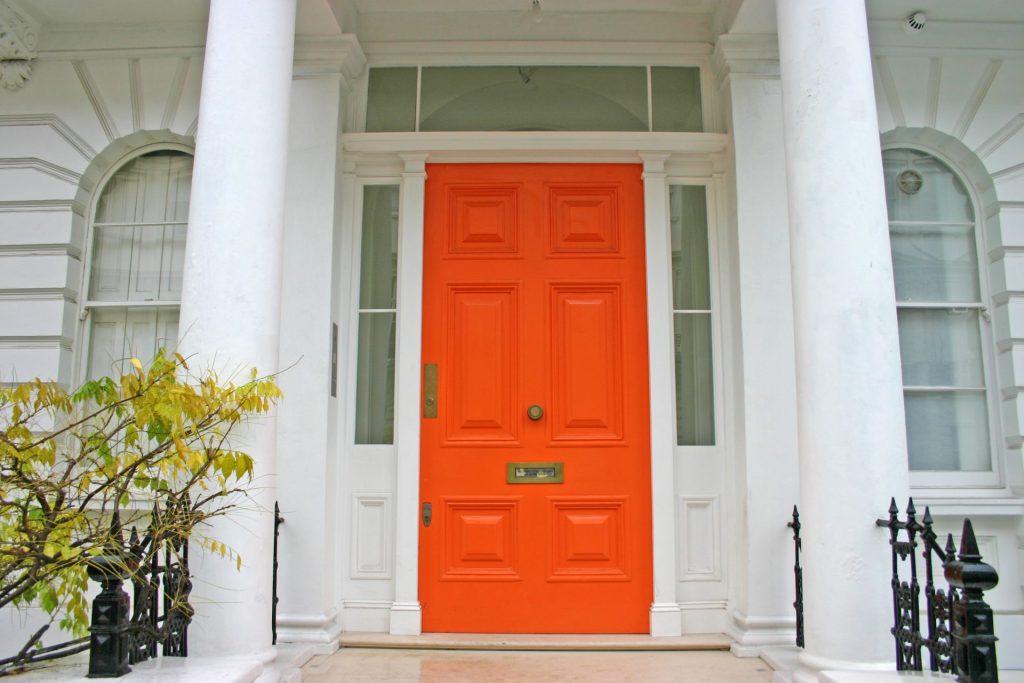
{"x":535,"y":412}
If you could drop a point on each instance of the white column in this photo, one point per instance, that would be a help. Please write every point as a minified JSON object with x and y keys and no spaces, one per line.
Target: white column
{"x":849,"y":395}
{"x":767,"y":470}
{"x":406,"y":615}
{"x":666,"y":619}
{"x":231,"y":292}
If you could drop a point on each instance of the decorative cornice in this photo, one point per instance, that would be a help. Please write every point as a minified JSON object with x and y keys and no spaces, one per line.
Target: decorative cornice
{"x":329,"y":56}
{"x":19,"y":38}
{"x":746,"y":55}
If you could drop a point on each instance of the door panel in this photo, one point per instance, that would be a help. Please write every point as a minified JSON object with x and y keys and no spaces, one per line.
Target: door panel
{"x":534,"y":294}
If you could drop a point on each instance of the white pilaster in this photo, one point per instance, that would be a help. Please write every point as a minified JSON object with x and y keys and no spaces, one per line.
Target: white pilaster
{"x":308,"y":494}
{"x":230,"y":315}
{"x":766,"y":444}
{"x":666,"y":619}
{"x":849,"y":395}
{"x":406,"y":615}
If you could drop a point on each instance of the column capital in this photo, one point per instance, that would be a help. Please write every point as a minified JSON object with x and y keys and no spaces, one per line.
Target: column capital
{"x":19,"y":37}
{"x":746,"y":56}
{"x":339,"y":56}
{"x":415,"y":164}
{"x":654,"y":163}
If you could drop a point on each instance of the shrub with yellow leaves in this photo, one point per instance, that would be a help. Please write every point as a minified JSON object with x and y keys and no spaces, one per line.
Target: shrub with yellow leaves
{"x":152,"y":447}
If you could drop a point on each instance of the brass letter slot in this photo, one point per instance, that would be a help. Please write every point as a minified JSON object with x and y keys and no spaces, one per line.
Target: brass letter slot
{"x":430,"y":390}
{"x":533,"y":473}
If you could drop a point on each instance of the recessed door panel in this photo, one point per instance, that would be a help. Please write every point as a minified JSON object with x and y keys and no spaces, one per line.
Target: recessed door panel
{"x":482,"y":388}
{"x":586,"y":363}
{"x":535,"y":454}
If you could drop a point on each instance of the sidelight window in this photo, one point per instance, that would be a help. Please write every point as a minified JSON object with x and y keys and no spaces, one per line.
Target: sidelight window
{"x":378,"y":308}
{"x":691,"y":315}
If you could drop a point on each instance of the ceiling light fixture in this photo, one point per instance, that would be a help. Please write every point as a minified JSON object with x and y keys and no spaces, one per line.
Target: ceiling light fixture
{"x":535,"y":14}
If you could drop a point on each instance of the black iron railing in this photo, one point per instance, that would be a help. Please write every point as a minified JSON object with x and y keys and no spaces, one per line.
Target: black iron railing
{"x":958,"y":629}
{"x":958,"y":632}
{"x":798,"y":578}
{"x":278,"y":521}
{"x":126,"y":631}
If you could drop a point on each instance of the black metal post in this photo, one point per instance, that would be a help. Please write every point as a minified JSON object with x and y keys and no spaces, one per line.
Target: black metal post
{"x":798,"y":578}
{"x":940,"y":640}
{"x":974,"y":640}
{"x":108,"y":645}
{"x":278,"y":521}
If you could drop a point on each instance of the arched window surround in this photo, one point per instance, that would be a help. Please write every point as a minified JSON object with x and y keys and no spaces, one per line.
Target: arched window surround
{"x":95,"y":179}
{"x":1004,"y":433}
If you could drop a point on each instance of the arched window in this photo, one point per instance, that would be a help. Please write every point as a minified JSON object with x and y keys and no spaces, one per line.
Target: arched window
{"x":133,"y":289}
{"x":940,"y":298}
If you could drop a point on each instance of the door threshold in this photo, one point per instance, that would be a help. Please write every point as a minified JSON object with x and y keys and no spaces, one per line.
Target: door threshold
{"x":535,"y":641}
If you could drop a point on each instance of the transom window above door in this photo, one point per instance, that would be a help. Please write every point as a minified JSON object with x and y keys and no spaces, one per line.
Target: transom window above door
{"x":533,"y":98}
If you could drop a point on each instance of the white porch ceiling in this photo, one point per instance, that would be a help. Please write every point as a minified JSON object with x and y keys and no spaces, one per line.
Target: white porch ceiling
{"x":373,"y":20}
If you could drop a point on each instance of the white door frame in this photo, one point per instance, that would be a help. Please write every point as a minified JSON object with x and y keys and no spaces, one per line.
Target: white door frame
{"x":697,"y":155}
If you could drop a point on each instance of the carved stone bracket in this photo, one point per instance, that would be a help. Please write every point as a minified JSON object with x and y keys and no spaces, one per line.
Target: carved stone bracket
{"x":19,"y":37}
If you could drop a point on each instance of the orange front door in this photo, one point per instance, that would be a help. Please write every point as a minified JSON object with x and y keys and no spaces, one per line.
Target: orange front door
{"x":534,"y":295}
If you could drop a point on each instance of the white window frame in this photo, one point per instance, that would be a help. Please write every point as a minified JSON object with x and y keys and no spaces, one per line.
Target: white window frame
{"x":85,"y":306}
{"x":352,"y":314}
{"x":948,"y":483}
{"x":712,"y":194}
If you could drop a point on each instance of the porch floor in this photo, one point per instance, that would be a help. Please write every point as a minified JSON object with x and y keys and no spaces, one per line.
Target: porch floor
{"x":505,"y":666}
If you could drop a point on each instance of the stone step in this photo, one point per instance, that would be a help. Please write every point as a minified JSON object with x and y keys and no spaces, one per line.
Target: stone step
{"x":534,"y":641}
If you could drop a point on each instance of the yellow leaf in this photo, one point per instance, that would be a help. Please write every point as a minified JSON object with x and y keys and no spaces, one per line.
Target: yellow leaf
{"x":136,"y":363}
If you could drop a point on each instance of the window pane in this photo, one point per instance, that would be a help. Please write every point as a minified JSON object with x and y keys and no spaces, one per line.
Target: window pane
{"x":534,"y":98}
{"x":375,"y":379}
{"x":391,"y":100}
{"x":941,"y":348}
{"x":935,"y":263}
{"x":152,"y":188}
{"x":119,"y":334}
{"x":139,"y":239}
{"x":695,"y":412}
{"x":940,"y":197}
{"x":378,"y":275}
{"x":675,"y":96}
{"x":689,"y":224}
{"x":947,"y":431}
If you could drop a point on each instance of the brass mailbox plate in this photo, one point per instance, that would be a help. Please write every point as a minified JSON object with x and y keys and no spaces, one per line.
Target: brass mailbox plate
{"x":533,"y":473}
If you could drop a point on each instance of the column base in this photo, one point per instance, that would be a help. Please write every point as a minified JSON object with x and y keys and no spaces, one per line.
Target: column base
{"x":321,"y":631}
{"x":751,"y":635}
{"x":666,"y":620}
{"x":406,"y":619}
{"x":815,"y":669}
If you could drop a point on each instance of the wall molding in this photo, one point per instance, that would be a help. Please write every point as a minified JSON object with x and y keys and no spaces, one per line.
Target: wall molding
{"x":42,"y":166}
{"x":58,"y":125}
